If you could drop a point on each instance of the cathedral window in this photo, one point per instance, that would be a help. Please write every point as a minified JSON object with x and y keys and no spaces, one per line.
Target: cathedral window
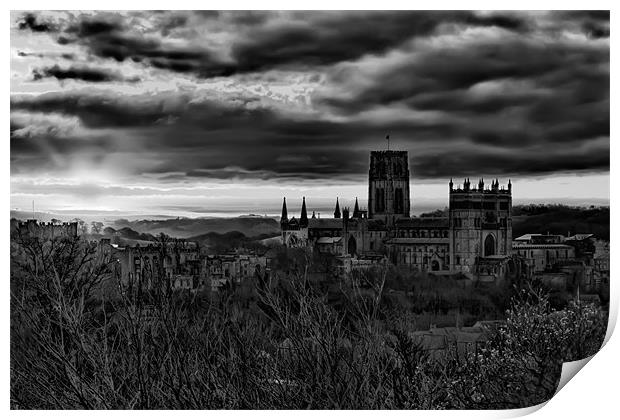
{"x":380,"y":200}
{"x":399,"y":206}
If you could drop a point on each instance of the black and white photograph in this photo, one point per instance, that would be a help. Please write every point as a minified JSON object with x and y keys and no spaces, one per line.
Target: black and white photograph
{"x":306,"y":209}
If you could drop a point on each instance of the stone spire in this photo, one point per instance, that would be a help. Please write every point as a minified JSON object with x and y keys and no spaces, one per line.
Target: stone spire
{"x":303,"y":219}
{"x":356,"y":209}
{"x":337,"y":211}
{"x":284,"y":216}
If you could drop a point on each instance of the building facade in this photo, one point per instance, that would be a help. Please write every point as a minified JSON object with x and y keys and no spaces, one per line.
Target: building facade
{"x":478,"y":224}
{"x":32,"y":228}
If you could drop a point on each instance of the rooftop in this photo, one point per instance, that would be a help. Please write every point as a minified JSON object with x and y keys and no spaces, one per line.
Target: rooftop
{"x":328,"y":240}
{"x":540,"y":246}
{"x":580,"y":237}
{"x":429,"y":241}
{"x":423,"y":222}
{"x":325,"y":223}
{"x":527,"y":237}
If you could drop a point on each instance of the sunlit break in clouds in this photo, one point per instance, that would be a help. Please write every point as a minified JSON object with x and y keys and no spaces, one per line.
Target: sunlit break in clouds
{"x":201,"y":113}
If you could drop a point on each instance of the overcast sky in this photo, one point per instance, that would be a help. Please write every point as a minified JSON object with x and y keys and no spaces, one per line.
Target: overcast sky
{"x":194,"y":113}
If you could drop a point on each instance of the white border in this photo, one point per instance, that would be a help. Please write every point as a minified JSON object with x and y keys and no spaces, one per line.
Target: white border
{"x":593,"y":394}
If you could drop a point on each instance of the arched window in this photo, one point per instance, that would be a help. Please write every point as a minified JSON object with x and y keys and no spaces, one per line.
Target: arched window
{"x":352,"y":246}
{"x":489,"y":245}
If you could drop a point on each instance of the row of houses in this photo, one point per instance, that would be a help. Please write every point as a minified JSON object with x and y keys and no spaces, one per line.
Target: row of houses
{"x":185,"y":265}
{"x":572,"y":262}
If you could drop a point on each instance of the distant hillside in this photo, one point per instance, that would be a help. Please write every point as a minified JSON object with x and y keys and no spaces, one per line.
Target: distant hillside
{"x":222,"y":242}
{"x":128,"y":233}
{"x":533,"y":218}
{"x":560,"y":220}
{"x":191,"y":228}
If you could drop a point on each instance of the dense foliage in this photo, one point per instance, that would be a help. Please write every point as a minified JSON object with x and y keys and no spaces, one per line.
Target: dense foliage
{"x":269,"y":345}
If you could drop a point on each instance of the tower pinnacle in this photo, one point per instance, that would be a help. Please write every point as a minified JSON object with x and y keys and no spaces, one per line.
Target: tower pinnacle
{"x":303,"y":219}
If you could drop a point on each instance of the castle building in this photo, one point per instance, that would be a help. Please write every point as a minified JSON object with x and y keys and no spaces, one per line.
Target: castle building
{"x":477,"y":232}
{"x":50,"y":230}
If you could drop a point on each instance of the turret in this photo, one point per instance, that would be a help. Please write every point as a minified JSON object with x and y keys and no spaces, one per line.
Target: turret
{"x":303,"y":219}
{"x":481,"y":184}
{"x":509,"y":185}
{"x":451,"y":184}
{"x":337,"y":214}
{"x":356,"y":209}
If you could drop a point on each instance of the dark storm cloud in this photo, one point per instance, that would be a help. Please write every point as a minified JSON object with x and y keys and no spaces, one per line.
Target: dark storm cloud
{"x":26,"y":54}
{"x":65,"y":56}
{"x":30,"y":21}
{"x":328,"y":38}
{"x":474,"y":162}
{"x":465,"y":93}
{"x":110,"y":37}
{"x":264,"y":42}
{"x":47,"y":142}
{"x":508,"y":91}
{"x":85,"y":74}
{"x":594,"y":23}
{"x":95,"y":111}
{"x":433,"y":78}
{"x":203,"y":139}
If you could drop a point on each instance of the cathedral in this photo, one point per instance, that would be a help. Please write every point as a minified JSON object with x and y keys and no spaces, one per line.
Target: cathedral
{"x":475,"y":237}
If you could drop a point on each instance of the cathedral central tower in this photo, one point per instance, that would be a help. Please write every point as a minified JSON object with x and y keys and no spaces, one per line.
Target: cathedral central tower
{"x":388,"y":186}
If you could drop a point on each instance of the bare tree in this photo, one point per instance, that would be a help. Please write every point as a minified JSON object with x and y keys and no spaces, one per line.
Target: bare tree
{"x":96,"y":227}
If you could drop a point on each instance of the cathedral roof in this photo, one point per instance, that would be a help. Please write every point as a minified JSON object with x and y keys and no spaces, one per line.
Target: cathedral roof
{"x":328,"y":240}
{"x":423,"y":222}
{"x":417,"y":241}
{"x":325,"y":223}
